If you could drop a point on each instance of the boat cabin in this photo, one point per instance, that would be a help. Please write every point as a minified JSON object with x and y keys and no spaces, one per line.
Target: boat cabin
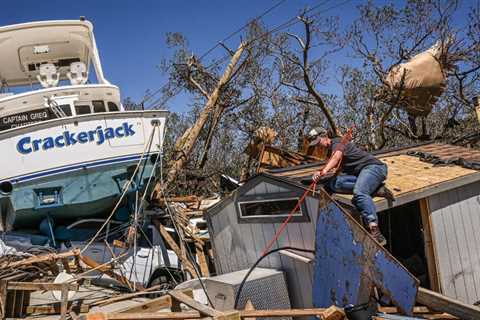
{"x":47,"y":70}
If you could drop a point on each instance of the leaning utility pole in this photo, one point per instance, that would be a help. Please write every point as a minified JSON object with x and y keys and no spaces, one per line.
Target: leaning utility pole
{"x":184,"y":148}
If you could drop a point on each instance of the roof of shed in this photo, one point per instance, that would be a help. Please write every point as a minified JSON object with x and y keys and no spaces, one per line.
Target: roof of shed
{"x":409,"y":177}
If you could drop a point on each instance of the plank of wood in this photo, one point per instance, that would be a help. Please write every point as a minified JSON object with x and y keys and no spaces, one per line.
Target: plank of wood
{"x":332,"y":313}
{"x":203,"y":309}
{"x":127,"y":296}
{"x":44,"y":258}
{"x":429,"y":247}
{"x":202,"y":261}
{"x":40,"y":286}
{"x":282,"y":313}
{"x":185,"y":262}
{"x":438,"y":302}
{"x":176,"y":304}
{"x":153,"y":305}
{"x":141,"y":316}
{"x":54,"y":308}
{"x":108,"y":271}
{"x":249,"y":307}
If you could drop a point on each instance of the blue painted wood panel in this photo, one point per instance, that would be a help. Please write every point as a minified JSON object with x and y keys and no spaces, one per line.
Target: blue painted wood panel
{"x":349,"y":263}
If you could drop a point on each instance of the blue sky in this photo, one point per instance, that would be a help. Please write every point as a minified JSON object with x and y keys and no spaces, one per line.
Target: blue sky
{"x":131,"y":34}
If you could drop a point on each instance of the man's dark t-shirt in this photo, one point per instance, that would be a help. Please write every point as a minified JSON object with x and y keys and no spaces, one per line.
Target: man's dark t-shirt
{"x":354,"y":158}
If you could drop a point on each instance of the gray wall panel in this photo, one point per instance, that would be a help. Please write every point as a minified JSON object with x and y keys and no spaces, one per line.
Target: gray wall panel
{"x":455,"y":227}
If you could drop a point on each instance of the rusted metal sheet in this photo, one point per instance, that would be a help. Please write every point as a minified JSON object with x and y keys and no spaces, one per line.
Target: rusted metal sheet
{"x":349,"y":263}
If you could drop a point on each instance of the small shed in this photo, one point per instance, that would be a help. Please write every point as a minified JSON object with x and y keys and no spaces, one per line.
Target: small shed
{"x":431,"y":227}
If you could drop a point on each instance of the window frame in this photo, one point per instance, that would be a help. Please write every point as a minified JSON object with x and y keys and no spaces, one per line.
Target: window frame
{"x":82,"y":105}
{"x":110,"y":103}
{"x":103,"y":104}
{"x":66,"y":105}
{"x":301,"y":216}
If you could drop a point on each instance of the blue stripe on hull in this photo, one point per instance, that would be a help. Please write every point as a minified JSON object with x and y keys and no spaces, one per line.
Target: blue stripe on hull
{"x":80,"y":166}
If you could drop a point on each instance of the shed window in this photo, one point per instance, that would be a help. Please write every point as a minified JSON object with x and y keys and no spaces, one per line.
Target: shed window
{"x":98,"y":106}
{"x":83,"y":109}
{"x":269,"y":208}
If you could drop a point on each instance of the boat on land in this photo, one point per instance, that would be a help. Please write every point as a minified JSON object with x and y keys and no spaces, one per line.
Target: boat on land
{"x":68,"y":145}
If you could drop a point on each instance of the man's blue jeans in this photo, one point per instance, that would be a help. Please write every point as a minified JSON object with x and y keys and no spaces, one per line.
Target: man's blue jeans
{"x":362,"y":187}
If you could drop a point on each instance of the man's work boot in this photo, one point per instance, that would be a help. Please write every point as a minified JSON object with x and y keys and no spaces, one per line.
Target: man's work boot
{"x":375,"y":232}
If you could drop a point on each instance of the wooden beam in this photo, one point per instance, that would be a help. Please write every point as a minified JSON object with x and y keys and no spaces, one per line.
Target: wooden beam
{"x":141,"y":316}
{"x":176,"y":304}
{"x":41,"y":286}
{"x":202,"y":261}
{"x":108,"y":271}
{"x":127,"y":296}
{"x":429,"y":240}
{"x":203,"y":309}
{"x":43,"y":258}
{"x":55,"y":308}
{"x":185,"y":262}
{"x":154,"y":305}
{"x":249,"y":307}
{"x":438,"y":302}
{"x":331,"y":313}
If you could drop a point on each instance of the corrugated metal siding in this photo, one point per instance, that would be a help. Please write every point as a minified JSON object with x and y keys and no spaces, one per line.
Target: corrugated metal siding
{"x":238,"y":246}
{"x":456,"y":235}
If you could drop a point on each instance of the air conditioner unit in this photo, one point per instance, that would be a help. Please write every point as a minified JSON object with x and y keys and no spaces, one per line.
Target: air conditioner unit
{"x":265,"y":288}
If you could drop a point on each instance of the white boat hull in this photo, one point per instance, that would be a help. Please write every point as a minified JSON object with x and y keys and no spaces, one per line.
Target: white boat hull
{"x":74,"y":167}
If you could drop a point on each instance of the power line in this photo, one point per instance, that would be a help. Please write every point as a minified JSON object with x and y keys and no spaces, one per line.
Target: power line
{"x":240,"y":29}
{"x":156,"y":103}
{"x":290,"y":22}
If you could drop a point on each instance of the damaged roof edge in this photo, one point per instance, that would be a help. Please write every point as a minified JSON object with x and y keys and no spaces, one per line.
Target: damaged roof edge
{"x":250,"y":184}
{"x":382,"y":204}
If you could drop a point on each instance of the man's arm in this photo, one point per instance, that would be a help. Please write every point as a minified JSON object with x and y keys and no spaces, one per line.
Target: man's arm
{"x":333,"y":162}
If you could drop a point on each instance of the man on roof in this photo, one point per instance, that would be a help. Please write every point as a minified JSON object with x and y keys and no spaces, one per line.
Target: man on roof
{"x":357,"y":172}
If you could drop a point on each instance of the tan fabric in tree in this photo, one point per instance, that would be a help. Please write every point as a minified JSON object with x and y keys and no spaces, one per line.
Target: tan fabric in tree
{"x":424,"y":81}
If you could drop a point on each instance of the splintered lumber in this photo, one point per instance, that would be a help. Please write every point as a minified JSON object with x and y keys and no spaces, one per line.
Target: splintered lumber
{"x":55,"y":308}
{"x":203,"y":309}
{"x":173,"y":245}
{"x":141,"y":316}
{"x":150,"y":306}
{"x":202,"y":261}
{"x":41,"y":286}
{"x":331,"y":313}
{"x":249,"y":307}
{"x":51,"y":257}
{"x":438,"y":302}
{"x":127,"y":296}
{"x":108,"y":271}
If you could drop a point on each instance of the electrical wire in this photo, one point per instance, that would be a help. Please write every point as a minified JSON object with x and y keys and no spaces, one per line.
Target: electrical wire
{"x":126,"y":187}
{"x":240,"y":29}
{"x":242,"y":284}
{"x":292,"y":21}
{"x":169,"y":211}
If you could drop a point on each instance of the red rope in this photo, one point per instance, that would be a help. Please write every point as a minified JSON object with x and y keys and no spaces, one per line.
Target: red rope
{"x":289,"y":217}
{"x":346,"y":138}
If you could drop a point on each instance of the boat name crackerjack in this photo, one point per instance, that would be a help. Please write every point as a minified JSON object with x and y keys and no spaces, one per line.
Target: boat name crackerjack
{"x":28,"y":145}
